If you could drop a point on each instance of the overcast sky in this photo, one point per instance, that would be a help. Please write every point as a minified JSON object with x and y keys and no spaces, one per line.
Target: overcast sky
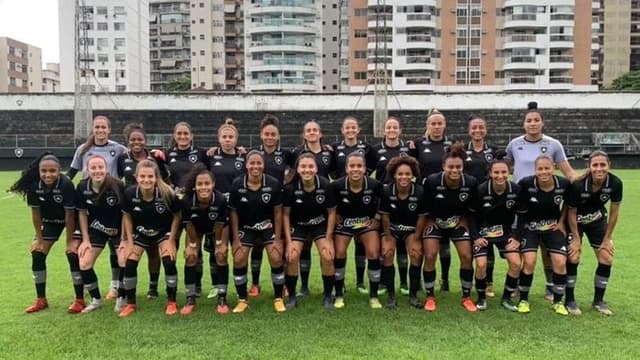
{"x":34,"y":22}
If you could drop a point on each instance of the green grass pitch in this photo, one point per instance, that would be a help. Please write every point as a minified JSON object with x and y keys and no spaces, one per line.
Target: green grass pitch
{"x":310,"y":331}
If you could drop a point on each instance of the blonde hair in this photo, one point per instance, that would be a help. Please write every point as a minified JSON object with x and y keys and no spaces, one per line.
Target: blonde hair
{"x":166,"y":192}
{"x":228,"y":124}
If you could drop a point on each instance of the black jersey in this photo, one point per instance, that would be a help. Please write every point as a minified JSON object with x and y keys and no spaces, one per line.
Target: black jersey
{"x":385,"y":153}
{"x":540,"y":210}
{"x":342,"y":150}
{"x":403,"y":213}
{"x":226,"y":168}
{"x":324,"y":159}
{"x":590,"y":205}
{"x":180,"y":163}
{"x":495,"y":213}
{"x":52,"y":202}
{"x":429,"y":154}
{"x":356,"y":208}
{"x":127,"y":167}
{"x":150,"y":218}
{"x":104,"y":213}
{"x":203,"y":219}
{"x":309,"y":208}
{"x":255,"y":208}
{"x":477,"y":162}
{"x":276,"y":163}
{"x":448,"y":206}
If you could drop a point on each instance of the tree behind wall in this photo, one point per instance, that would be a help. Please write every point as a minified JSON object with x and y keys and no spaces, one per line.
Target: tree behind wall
{"x":183,"y":84}
{"x":628,"y":81}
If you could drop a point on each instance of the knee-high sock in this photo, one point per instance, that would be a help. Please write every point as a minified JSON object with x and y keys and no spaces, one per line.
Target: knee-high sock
{"x":445,"y":261}
{"x":572,"y":275}
{"x":256,"y":265}
{"x":374,"y":276}
{"x":525,"y":285}
{"x":559,"y":284}
{"x":223,"y":280}
{"x":90,"y":281}
{"x":388,"y":278}
{"x":340,"y":266}
{"x":466,"y":281}
{"x":603,"y":272}
{"x":39,"y":271}
{"x":277,"y":279}
{"x":429,"y":281}
{"x":130,"y":280}
{"x":76,"y":277}
{"x":361,"y":262}
{"x":403,"y":263}
{"x":190,"y":278}
{"x":414,"y":280}
{"x":305,"y":267}
{"x":510,"y":285}
{"x":240,"y":280}
{"x":171,"y":277}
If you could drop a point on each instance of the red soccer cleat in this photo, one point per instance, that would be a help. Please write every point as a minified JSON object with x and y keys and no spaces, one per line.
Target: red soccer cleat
{"x":128,"y":310}
{"x":172,"y":308}
{"x":39,"y":304}
{"x":76,"y":306}
{"x":430,"y":304}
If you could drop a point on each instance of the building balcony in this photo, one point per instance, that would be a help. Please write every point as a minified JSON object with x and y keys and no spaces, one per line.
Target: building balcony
{"x":523,"y":21}
{"x":560,"y":80}
{"x":561,"y":61}
{"x":284,"y":25}
{"x":281,"y":6}
{"x":520,"y":62}
{"x":283,"y":84}
{"x":282,"y":45}
{"x":413,"y":83}
{"x":561,"y":41}
{"x":521,"y":40}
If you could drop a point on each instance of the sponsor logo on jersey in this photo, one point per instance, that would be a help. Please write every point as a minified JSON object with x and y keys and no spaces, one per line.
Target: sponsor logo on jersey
{"x":439,"y":196}
{"x":589,"y":218}
{"x":494,"y":231}
{"x":89,"y":201}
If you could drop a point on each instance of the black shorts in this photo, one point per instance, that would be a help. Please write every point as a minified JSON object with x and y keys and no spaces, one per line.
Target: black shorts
{"x":305,"y":233}
{"x":146,"y":242}
{"x":51,"y":231}
{"x":250,"y":238}
{"x":500,"y":243}
{"x":401,"y":237}
{"x":595,"y":232}
{"x":456,"y":234}
{"x":553,"y":240}
{"x":341,"y":229}
{"x":100,"y":240}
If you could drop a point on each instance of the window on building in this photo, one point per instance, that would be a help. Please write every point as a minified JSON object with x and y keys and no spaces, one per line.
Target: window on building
{"x":119,"y":43}
{"x":121,"y":88}
{"x":88,"y":41}
{"x":101,"y":10}
{"x":120,"y":57}
{"x":360,"y":75}
{"x":103,"y":58}
{"x":201,"y":21}
{"x":103,"y":26}
{"x":12,"y":81}
{"x":119,"y":26}
{"x":121,"y":73}
{"x":103,"y":73}
{"x":119,"y":10}
{"x":201,"y":52}
{"x":360,"y":12}
{"x":86,"y":25}
{"x":360,"y":33}
{"x":103,"y":43}
{"x":360,"y":54}
{"x":201,"y":36}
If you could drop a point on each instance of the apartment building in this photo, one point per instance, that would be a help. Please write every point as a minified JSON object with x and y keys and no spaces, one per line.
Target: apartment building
{"x":619,"y":38}
{"x":51,"y":78}
{"x":20,"y":67}
{"x":331,"y":23}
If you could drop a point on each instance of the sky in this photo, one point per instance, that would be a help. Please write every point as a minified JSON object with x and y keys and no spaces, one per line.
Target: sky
{"x":34,"y":22}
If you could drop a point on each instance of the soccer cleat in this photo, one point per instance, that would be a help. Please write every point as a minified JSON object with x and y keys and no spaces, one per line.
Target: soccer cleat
{"x":112,"y":294}
{"x":254,"y":291}
{"x":222,"y":307}
{"x":468,"y":304}
{"x":241,"y":306}
{"x":444,"y":285}
{"x":524,"y":307}
{"x":507,"y":304}
{"x":189,"y":307}
{"x":548,"y":295}
{"x":128,"y":310}
{"x":404,"y":290}
{"x":152,"y":294}
{"x":560,"y":309}
{"x":414,"y":302}
{"x":374,"y":303}
{"x":362,"y":290}
{"x":292,"y":302}
{"x":76,"y":306}
{"x":339,"y":303}
{"x":278,"y":305}
{"x":481,"y":304}
{"x":93,"y":305}
{"x":120,"y":304}
{"x":602,"y":308}
{"x":430,"y":304}
{"x":39,"y":304}
{"x":213,"y":293}
{"x":573,"y":308}
{"x":171,"y":309}
{"x":303,"y":292}
{"x":327,"y":302}
{"x":489,"y":291}
{"x":392,"y":303}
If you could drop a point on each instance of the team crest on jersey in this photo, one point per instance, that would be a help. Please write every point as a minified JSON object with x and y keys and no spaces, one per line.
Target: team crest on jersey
{"x":278,"y":160}
{"x":510,"y":203}
{"x":463,"y":196}
{"x":543,"y":149}
{"x":320,"y":199}
{"x":113,"y":153}
{"x":160,"y":208}
{"x":557,"y":199}
{"x":193,"y":158}
{"x":488,"y":156}
{"x":18,"y":152}
{"x":111,"y":200}
{"x":266,"y":197}
{"x":604,"y":197}
{"x":240,"y":235}
{"x":366,"y":199}
{"x":238,"y":165}
{"x":413,"y":206}
{"x":57,"y":198}
{"x":325,"y":160}
{"x":213,"y":216}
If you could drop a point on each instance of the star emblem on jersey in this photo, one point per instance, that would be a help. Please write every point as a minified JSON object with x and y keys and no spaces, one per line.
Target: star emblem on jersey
{"x":543,"y":149}
{"x":111,"y":200}
{"x":413,"y":206}
{"x":366,"y":199}
{"x":113,"y":153}
{"x":57,"y":198}
{"x":266,"y":198}
{"x":463,"y":196}
{"x":278,"y":160}
{"x":557,"y":199}
{"x":213,"y":216}
{"x":193,"y":158}
{"x":604,"y":197}
{"x":160,"y":208}
{"x":320,"y":199}
{"x":510,"y":203}
{"x":238,"y":165}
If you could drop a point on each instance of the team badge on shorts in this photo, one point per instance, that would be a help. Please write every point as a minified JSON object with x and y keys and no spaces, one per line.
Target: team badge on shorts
{"x":111,"y":200}
{"x":320,"y":199}
{"x":193,"y":158}
{"x":160,"y":208}
{"x":57,"y":198}
{"x":266,"y":198}
{"x":366,"y":199}
{"x":463,"y":196}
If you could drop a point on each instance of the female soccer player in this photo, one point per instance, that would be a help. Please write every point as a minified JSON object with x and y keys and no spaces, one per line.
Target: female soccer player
{"x":391,"y":146}
{"x":312,"y":142}
{"x":357,"y":198}
{"x":587,"y":215}
{"x":496,"y":207}
{"x":151,"y":218}
{"x":256,"y":216}
{"x":541,"y":220}
{"x":99,"y":200}
{"x":51,"y":198}
{"x":429,"y":151}
{"x":97,"y":143}
{"x":204,"y":213}
{"x":449,"y":197}
{"x":523,"y":152}
{"x":403,"y":219}
{"x":309,"y":211}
